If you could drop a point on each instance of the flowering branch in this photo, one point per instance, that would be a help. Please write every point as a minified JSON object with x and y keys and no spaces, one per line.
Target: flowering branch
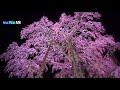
{"x":42,"y":68}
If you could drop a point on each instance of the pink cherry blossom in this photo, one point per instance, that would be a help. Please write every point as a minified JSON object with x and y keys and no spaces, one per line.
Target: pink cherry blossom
{"x":75,"y":45}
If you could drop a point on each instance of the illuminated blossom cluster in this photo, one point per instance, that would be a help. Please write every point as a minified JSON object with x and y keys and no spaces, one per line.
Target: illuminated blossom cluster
{"x":76,"y":45}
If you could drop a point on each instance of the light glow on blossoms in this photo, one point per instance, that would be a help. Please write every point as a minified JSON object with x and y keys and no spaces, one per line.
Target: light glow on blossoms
{"x":76,"y":45}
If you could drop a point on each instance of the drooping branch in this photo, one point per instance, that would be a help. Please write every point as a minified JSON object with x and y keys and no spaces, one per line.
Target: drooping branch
{"x":42,"y":68}
{"x":71,"y":55}
{"x":74,"y":60}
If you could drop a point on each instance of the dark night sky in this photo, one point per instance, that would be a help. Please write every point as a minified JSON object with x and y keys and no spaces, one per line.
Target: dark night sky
{"x":10,"y":33}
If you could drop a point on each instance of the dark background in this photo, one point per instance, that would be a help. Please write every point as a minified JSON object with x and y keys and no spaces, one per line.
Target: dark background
{"x":10,"y":33}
